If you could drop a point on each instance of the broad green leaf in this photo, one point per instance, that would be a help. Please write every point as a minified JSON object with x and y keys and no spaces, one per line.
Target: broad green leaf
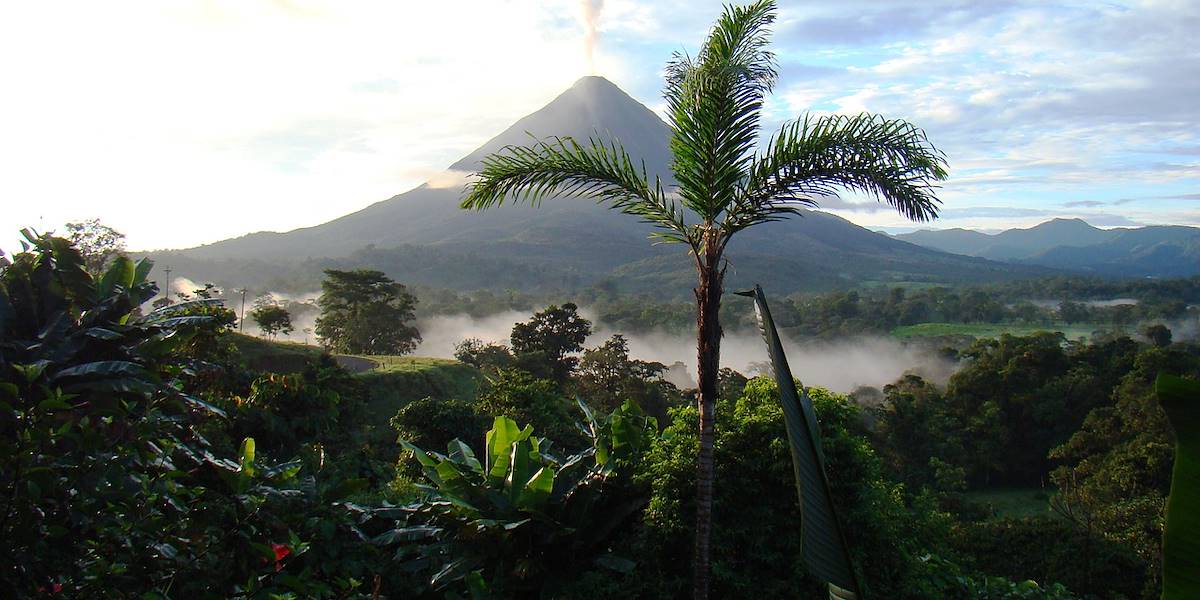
{"x":476,"y":585}
{"x":422,"y":456}
{"x":166,"y":343}
{"x":462,"y":454}
{"x":823,"y":544}
{"x":1180,"y":399}
{"x":103,"y":368}
{"x":120,"y":273}
{"x":453,"y":571}
{"x":101,"y":333}
{"x":588,"y":415}
{"x":452,"y":480}
{"x":522,"y":469}
{"x":142,"y":271}
{"x":284,"y":471}
{"x":500,"y":437}
{"x":405,"y":534}
{"x":198,"y":403}
{"x":247,"y":462}
{"x":53,"y":404}
{"x":32,"y":371}
{"x":537,"y":490}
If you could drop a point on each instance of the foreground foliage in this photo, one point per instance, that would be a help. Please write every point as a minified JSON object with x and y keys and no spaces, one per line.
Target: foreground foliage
{"x":523,"y":522}
{"x":141,"y":458}
{"x":1181,"y":538}
{"x":724,"y":184}
{"x":114,"y":476}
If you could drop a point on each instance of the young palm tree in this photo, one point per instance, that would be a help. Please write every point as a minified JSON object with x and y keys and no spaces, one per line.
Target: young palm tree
{"x":723,"y":185}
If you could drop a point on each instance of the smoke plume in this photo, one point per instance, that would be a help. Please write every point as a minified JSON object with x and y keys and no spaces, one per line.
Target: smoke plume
{"x":590,"y":10}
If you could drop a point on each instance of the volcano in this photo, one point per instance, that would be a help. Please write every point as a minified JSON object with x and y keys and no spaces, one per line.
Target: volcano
{"x":574,"y":241}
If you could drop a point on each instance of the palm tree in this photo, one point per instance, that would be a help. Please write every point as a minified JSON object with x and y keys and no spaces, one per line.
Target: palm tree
{"x":723,"y":184}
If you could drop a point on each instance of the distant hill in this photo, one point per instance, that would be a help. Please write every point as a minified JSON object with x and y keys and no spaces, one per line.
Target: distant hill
{"x":421,"y":236}
{"x":1073,"y":244}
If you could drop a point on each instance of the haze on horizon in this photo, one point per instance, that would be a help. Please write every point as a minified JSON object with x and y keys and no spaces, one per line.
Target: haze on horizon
{"x":192,"y":122}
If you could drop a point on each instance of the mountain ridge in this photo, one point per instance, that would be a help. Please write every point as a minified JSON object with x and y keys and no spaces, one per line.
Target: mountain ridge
{"x":574,"y":239}
{"x":1073,"y":244}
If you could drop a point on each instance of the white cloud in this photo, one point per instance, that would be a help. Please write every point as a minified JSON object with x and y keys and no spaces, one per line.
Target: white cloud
{"x":286,"y":114}
{"x":232,"y":116}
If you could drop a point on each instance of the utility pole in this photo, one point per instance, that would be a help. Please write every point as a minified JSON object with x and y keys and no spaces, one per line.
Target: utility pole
{"x":242,"y":320}
{"x":167,"y":290}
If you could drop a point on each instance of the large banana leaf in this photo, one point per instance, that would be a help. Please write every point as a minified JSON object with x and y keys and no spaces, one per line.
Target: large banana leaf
{"x":823,"y":545}
{"x":120,"y":273}
{"x":1180,"y":399}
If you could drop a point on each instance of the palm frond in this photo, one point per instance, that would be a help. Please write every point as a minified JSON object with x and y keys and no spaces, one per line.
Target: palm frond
{"x":889,"y":160}
{"x":714,"y":103}
{"x":560,"y":166}
{"x":822,"y":541}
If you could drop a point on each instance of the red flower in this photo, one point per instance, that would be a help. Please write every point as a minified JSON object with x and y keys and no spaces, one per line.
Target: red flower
{"x":281,"y":551}
{"x":54,"y":588}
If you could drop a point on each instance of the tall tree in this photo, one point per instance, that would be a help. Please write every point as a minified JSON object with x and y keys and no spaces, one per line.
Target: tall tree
{"x":723,"y":184}
{"x":365,"y":312}
{"x":556,"y":333}
{"x":272,"y":319}
{"x":607,"y":377}
{"x":97,"y":242}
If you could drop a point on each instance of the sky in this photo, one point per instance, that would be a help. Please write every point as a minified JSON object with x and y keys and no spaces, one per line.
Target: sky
{"x":187,"y":122}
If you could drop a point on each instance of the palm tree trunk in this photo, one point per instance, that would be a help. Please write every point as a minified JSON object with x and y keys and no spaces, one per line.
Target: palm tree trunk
{"x":708,"y":344}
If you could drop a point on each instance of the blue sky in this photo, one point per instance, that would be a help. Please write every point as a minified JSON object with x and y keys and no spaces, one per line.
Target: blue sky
{"x":187,"y":122}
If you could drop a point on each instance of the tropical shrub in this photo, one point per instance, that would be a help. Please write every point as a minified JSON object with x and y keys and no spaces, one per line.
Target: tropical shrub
{"x":434,"y":423}
{"x":758,"y":514}
{"x":1051,"y":549}
{"x":109,"y":487}
{"x":523,"y":522}
{"x":539,"y":402}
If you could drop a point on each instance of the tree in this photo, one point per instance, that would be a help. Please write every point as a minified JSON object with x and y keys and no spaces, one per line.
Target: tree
{"x":714,"y":104}
{"x":489,"y":356}
{"x":556,"y":333}
{"x":365,"y":312}
{"x":272,"y":319}
{"x":1073,"y":312}
{"x":98,"y":243}
{"x":538,"y":402}
{"x":1158,"y":334}
{"x":608,"y":377}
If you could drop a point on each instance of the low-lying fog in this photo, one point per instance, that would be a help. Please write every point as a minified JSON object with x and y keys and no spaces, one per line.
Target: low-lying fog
{"x":840,"y":366}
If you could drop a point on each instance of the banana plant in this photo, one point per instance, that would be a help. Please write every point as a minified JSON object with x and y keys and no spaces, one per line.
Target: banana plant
{"x":106,"y":479}
{"x":823,"y":544}
{"x":519,"y":519}
{"x":1180,"y":399}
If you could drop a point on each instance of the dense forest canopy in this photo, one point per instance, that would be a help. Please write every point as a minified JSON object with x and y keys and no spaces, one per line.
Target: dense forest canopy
{"x":161,"y":454}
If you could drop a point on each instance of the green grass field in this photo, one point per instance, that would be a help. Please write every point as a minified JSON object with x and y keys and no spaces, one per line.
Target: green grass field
{"x":985,"y":330}
{"x":408,"y":364}
{"x":279,"y":357}
{"x":1014,"y":503}
{"x":389,"y":381}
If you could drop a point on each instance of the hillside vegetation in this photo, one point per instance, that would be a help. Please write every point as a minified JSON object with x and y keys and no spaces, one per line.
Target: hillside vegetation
{"x":162,"y":455}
